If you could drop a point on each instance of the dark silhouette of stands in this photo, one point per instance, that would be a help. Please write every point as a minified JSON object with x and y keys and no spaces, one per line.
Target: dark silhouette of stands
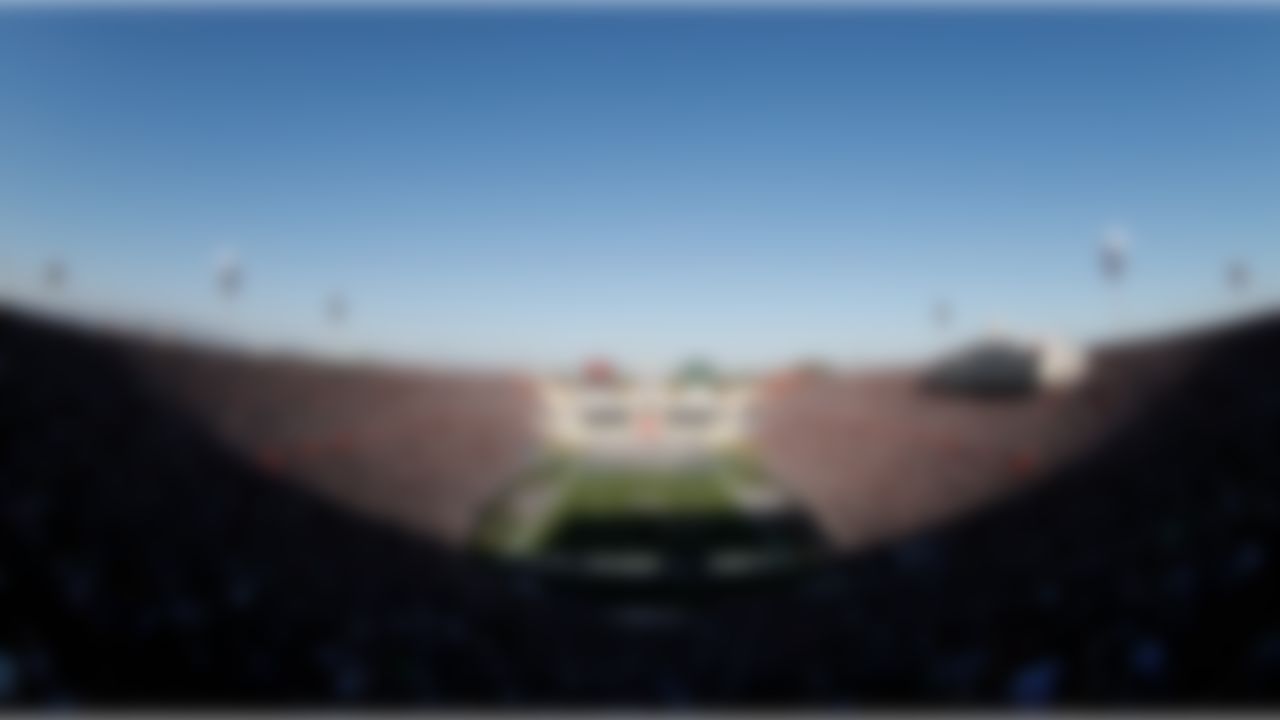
{"x":144,"y":562}
{"x":684,"y":548}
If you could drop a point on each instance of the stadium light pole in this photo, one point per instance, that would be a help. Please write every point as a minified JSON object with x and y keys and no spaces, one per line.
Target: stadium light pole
{"x":942,"y":316}
{"x":229,"y":278}
{"x":1113,"y":257}
{"x":56,"y":278}
{"x":56,"y":275}
{"x":229,"y":274}
{"x":1238,"y":277}
{"x":336,"y":309}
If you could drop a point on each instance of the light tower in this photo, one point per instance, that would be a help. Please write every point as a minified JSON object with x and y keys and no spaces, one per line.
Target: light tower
{"x":1114,"y":261}
{"x":336,"y":308}
{"x":229,"y":274}
{"x":943,"y":315}
{"x":1238,"y":277}
{"x":56,"y":275}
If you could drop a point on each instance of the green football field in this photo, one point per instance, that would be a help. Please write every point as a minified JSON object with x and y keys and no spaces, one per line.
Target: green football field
{"x":563,"y":487}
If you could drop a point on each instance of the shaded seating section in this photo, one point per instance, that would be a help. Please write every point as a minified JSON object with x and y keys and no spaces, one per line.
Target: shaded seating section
{"x":424,"y":449}
{"x":145,"y":559}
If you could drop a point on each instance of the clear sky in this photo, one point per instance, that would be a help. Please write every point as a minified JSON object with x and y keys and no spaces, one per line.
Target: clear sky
{"x":538,"y":186}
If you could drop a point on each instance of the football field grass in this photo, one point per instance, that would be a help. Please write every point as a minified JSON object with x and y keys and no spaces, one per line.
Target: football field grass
{"x":562,"y":488}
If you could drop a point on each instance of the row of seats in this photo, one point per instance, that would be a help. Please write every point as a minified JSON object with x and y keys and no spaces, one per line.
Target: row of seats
{"x":146,"y":562}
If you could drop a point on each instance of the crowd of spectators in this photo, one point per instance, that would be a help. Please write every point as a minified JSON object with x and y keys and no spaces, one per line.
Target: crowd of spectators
{"x":425,"y":449}
{"x":879,"y":453}
{"x":147,"y":560}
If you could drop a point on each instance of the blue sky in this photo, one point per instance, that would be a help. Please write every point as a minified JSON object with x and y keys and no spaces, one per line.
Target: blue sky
{"x":538,"y":186}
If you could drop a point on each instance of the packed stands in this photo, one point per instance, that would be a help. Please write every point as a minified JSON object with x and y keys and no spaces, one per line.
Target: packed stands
{"x":425,"y":449}
{"x":149,"y":556}
{"x":876,"y":454}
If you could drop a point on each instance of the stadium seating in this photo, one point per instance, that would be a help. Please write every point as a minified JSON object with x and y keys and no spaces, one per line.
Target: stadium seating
{"x":160,"y":547}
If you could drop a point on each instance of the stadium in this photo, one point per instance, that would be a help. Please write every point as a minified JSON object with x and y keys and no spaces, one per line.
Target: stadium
{"x":560,"y":360}
{"x":193,"y":515}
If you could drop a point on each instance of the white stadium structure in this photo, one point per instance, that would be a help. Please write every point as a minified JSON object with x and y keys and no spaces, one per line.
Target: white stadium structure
{"x":645,"y":421}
